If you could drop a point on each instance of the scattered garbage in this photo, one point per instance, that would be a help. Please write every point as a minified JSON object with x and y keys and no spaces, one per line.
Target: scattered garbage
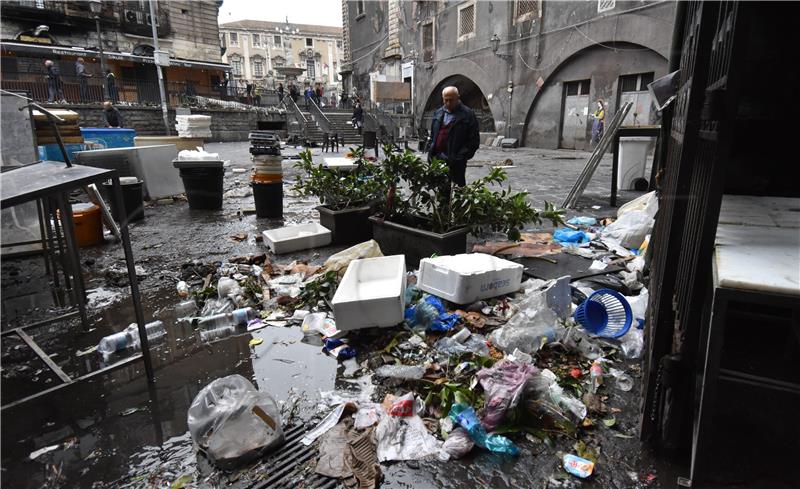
{"x":232,"y":422}
{"x":326,"y":424}
{"x":466,"y":278}
{"x":339,"y":262}
{"x":430,"y":314}
{"x":458,"y":443}
{"x":401,"y":434}
{"x":544,"y":397}
{"x":531,"y":328}
{"x":465,"y":416}
{"x":570,"y":237}
{"x":502,"y":384}
{"x":583,"y":221}
{"x":183,"y":289}
{"x":129,"y":338}
{"x":405,"y":372}
{"x":295,"y":238}
{"x":475,"y":344}
{"x":338,"y":348}
{"x":623,"y":381}
{"x":371,"y":293}
{"x":605,"y":313}
{"x":577,"y":466}
{"x":320,"y":323}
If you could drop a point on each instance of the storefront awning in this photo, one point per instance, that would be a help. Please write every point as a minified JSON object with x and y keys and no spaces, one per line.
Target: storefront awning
{"x":25,"y":48}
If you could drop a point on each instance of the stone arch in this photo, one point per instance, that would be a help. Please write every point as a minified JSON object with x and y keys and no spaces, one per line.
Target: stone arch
{"x":596,"y":63}
{"x":473,"y":78}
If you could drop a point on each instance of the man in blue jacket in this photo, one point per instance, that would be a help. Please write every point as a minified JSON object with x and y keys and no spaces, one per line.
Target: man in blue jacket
{"x":454,"y":135}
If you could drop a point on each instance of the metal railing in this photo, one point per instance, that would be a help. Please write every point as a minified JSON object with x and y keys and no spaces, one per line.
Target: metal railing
{"x":295,"y":117}
{"x":380,"y":121}
{"x":320,"y":118}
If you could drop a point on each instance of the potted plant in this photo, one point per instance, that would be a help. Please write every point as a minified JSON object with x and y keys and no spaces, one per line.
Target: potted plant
{"x":347,"y":196}
{"x":424,"y":214}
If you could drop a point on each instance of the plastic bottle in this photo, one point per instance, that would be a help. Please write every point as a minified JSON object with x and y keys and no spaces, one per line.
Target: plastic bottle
{"x":208,"y":335}
{"x":596,"y":376}
{"x":186,"y":308}
{"x":462,"y":335}
{"x":624,"y":382}
{"x":129,"y":337}
{"x":239,"y":317}
{"x":183,"y":289}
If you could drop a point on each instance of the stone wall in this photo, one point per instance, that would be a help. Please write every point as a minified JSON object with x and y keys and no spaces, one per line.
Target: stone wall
{"x":226,"y":124}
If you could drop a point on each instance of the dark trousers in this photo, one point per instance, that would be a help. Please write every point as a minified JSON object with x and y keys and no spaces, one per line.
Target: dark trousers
{"x":54,"y":92}
{"x":458,"y":172}
{"x":84,"y":85}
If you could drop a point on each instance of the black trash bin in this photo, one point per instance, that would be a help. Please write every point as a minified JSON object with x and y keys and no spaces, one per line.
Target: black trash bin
{"x":132,"y":199}
{"x":202,"y":181}
{"x":269,"y":199}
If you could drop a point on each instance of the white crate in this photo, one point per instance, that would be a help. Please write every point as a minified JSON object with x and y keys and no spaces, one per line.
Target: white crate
{"x":371,"y":293}
{"x":468,"y":277}
{"x":294,"y":238}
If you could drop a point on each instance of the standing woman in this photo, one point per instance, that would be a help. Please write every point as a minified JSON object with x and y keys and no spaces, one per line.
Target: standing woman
{"x":599,"y":122}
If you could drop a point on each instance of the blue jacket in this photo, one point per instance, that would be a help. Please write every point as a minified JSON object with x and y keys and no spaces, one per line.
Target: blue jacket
{"x":464,"y":138}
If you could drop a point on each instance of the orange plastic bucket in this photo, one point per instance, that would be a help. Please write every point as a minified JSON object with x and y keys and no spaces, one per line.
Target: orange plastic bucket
{"x":266,"y":178}
{"x":88,"y":224}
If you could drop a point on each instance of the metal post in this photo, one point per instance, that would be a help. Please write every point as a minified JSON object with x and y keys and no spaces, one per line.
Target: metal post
{"x":102,"y":60}
{"x":164,"y":112}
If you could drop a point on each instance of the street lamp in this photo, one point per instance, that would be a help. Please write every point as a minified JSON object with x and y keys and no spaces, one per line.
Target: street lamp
{"x":96,"y":6}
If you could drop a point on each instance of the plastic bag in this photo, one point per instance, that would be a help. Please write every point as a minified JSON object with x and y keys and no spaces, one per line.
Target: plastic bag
{"x":533,"y":326}
{"x":475,"y":344}
{"x":404,"y":372}
{"x":543,"y":396}
{"x":630,"y":229}
{"x":502,"y":384}
{"x":458,"y":443}
{"x":647,"y":202}
{"x":632,"y":343}
{"x":431,"y":314}
{"x":583,"y":221}
{"x":340,"y":261}
{"x":570,"y":237}
{"x":228,"y":287}
{"x":465,"y":416}
{"x":402,"y":434}
{"x":232,"y":422}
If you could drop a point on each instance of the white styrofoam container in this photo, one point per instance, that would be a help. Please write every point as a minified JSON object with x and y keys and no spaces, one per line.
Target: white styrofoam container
{"x":371,"y":293}
{"x":468,"y":277}
{"x":294,"y":238}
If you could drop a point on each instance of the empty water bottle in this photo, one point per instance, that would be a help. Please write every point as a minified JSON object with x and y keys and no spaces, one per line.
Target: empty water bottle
{"x":185,"y":308}
{"x":129,"y":338}
{"x":239,"y":317}
{"x":213,"y":334}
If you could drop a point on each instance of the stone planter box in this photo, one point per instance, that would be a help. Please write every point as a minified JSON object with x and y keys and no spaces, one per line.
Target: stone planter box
{"x":348,"y":226}
{"x":416,"y":244}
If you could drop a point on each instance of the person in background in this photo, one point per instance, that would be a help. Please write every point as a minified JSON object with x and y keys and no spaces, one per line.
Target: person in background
{"x":111,"y":86}
{"x":112,"y":115}
{"x":318,"y":95}
{"x":83,"y":79}
{"x":53,"y":76}
{"x":308,"y":94}
{"x":249,"y":91}
{"x":257,"y":95}
{"x":358,"y":117}
{"x":280,"y":92}
{"x":344,"y":102}
{"x":454,"y":135}
{"x":599,"y":122}
{"x":293,"y":92}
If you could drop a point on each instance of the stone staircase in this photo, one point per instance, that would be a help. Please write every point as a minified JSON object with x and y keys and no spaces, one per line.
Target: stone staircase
{"x":340,"y":118}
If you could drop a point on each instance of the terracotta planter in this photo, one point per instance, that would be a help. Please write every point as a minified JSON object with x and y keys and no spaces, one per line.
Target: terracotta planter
{"x":415,"y":244}
{"x":348,"y":226}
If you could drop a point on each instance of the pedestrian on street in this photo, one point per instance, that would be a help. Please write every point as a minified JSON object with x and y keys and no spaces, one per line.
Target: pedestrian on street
{"x":83,"y":79}
{"x":358,"y":117}
{"x":344,"y":102}
{"x":249,"y":91}
{"x":257,"y":95}
{"x":308,"y":94}
{"x":293,"y":92}
{"x":454,"y":135}
{"x":54,"y":91}
{"x":280,"y":92}
{"x":112,"y":115}
{"x":111,"y":86}
{"x":318,"y":94}
{"x":599,"y":122}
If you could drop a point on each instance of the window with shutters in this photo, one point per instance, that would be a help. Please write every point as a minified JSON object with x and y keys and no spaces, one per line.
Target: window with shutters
{"x":234,"y":39}
{"x":258,"y":67}
{"x":605,"y":5}
{"x":524,"y":10}
{"x":256,"y":40}
{"x":427,"y":42}
{"x":310,"y":72}
{"x":277,"y":41}
{"x":236,"y":67}
{"x":466,"y":21}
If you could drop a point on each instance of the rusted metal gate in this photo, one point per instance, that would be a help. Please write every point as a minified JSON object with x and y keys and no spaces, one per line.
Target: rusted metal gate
{"x":698,"y":151}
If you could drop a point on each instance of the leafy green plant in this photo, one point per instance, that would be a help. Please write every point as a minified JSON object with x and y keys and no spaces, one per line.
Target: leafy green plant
{"x":319,"y":291}
{"x":419,"y":194}
{"x":336,"y":189}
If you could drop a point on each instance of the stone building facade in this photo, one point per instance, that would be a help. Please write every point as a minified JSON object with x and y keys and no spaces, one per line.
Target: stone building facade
{"x":254,"y":48}
{"x":532,"y":70}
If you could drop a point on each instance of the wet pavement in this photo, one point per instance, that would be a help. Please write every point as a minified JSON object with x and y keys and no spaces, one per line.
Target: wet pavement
{"x":117,"y":431}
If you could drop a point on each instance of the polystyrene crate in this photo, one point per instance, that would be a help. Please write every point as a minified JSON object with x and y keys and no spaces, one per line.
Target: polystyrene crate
{"x":468,"y":277}
{"x":371,"y":293}
{"x":294,"y":238}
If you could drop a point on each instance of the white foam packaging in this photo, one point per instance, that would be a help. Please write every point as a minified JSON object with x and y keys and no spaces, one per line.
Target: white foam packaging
{"x":371,"y":293}
{"x":294,"y":238}
{"x":468,"y":277}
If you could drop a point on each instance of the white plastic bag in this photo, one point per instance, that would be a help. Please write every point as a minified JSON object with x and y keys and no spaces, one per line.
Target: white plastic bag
{"x":340,"y":261}
{"x":630,"y":229}
{"x":232,"y":422}
{"x":647,"y":202}
{"x":458,"y":443}
{"x":404,"y":438}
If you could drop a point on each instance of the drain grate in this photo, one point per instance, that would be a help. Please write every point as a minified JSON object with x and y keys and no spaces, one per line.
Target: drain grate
{"x":288,"y":465}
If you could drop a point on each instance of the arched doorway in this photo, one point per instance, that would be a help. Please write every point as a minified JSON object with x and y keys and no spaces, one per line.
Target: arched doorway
{"x":470,"y":95}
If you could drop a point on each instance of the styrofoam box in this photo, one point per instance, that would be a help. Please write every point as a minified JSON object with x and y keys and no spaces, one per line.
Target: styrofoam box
{"x":371,"y":293}
{"x":468,"y":277}
{"x":294,"y":238}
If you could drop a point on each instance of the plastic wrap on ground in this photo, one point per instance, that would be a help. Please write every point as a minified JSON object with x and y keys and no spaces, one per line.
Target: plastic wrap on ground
{"x":465,"y":416}
{"x":458,"y":443}
{"x":475,"y":344}
{"x":502,"y":384}
{"x":431,"y":314}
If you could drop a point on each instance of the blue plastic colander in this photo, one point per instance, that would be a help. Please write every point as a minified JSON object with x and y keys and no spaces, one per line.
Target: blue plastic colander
{"x":605,"y":313}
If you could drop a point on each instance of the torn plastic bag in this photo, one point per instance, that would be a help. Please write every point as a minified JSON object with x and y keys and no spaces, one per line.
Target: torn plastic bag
{"x":570,"y":237}
{"x":502,"y":384}
{"x":402,"y":435}
{"x":533,"y":326}
{"x":465,"y":416}
{"x":634,"y":222}
{"x":232,"y":422}
{"x":217,"y":306}
{"x":576,"y":339}
{"x":403,"y":372}
{"x":340,"y":261}
{"x":647,"y":202}
{"x":431,"y":314}
{"x":475,"y":344}
{"x":458,"y":443}
{"x":542,"y":396}
{"x":632,"y":343}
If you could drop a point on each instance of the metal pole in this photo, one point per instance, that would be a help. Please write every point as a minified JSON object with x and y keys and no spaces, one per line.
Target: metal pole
{"x":102,"y":60}
{"x":164,"y":112}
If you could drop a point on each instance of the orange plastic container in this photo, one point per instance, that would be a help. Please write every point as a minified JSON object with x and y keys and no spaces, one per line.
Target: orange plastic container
{"x":266,"y":178}
{"x":88,"y":224}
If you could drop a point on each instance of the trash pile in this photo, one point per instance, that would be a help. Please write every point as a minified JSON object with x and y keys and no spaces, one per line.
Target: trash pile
{"x":462,"y":355}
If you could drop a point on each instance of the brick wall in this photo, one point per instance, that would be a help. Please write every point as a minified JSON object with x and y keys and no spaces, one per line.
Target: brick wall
{"x":226,"y":125}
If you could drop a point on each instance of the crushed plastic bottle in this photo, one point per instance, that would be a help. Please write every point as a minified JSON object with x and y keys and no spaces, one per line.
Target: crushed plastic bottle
{"x":186,"y":308}
{"x":465,"y":416}
{"x":239,"y":317}
{"x":213,"y":334}
{"x":596,"y":376}
{"x":183,"y":289}
{"x":623,"y":381}
{"x":129,"y":338}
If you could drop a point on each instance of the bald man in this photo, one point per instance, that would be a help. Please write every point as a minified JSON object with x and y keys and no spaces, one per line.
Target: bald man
{"x":454,"y":135}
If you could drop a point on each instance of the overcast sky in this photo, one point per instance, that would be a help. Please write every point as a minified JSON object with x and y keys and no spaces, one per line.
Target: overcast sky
{"x":319,"y":12}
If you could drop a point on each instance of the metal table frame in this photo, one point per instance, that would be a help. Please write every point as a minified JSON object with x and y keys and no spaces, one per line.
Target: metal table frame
{"x":25,"y":184}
